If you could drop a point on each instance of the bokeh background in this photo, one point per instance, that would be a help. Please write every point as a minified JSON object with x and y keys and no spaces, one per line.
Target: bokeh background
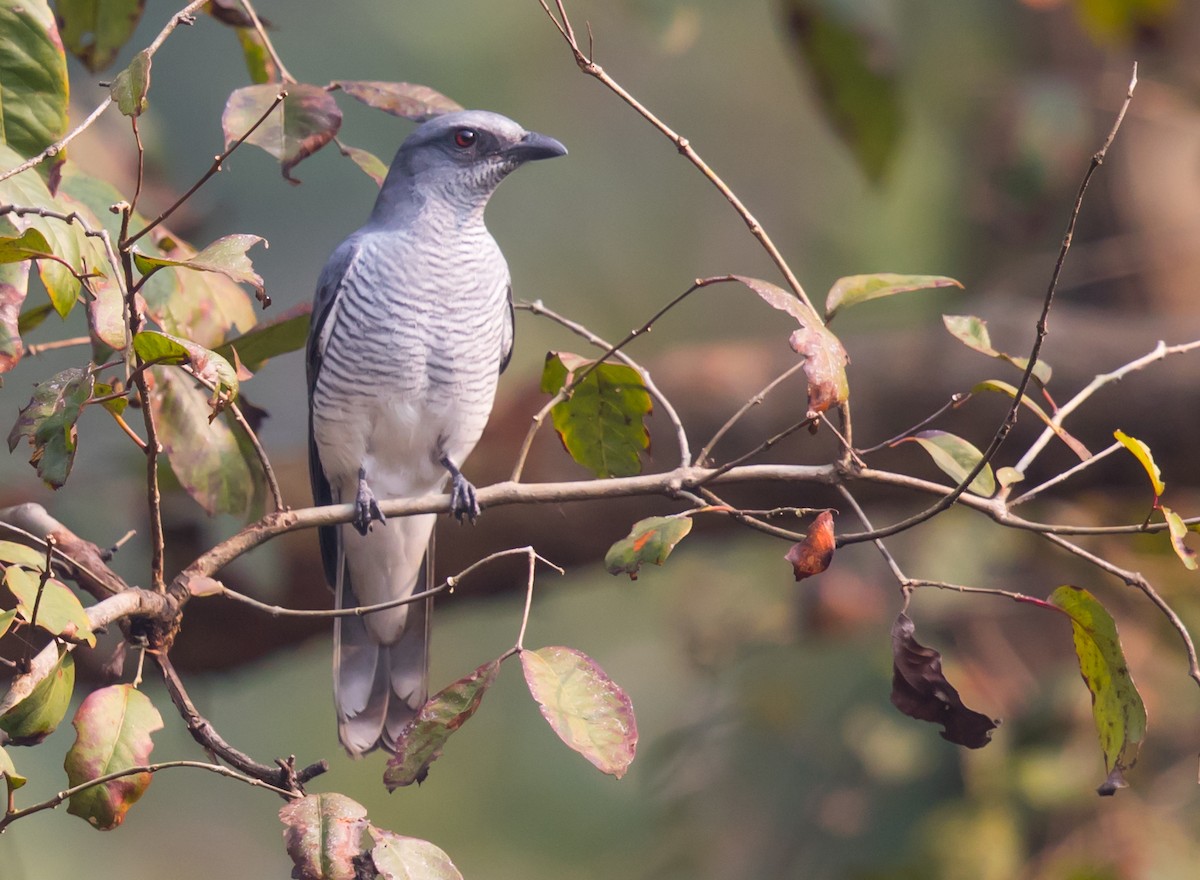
{"x":768,"y":746}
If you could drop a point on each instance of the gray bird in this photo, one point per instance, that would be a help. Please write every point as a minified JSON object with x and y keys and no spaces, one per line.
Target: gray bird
{"x":412,"y":325}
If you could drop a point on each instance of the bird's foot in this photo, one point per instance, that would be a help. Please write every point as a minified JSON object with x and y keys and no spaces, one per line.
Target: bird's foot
{"x":462,"y":493}
{"x":366,"y":508}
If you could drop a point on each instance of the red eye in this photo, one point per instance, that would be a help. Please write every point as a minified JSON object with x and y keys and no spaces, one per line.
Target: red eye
{"x":464,"y":138}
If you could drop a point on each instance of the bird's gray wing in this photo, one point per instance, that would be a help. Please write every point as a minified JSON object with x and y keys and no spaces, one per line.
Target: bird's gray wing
{"x":508,"y":337}
{"x":329,"y":288}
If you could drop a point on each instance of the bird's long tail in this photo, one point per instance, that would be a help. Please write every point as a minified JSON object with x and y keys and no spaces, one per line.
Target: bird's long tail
{"x":380,"y":667}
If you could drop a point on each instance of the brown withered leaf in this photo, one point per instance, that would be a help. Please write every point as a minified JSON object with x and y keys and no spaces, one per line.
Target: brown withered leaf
{"x":920,"y":690}
{"x":813,"y":554}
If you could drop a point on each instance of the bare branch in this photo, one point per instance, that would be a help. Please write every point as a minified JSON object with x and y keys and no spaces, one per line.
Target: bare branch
{"x":49,"y":804}
{"x":588,"y":65}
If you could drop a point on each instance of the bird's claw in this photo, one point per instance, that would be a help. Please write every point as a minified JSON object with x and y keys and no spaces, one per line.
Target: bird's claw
{"x":462,"y":499}
{"x":366,"y":508}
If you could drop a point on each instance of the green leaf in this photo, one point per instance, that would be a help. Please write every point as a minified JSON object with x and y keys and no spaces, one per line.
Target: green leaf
{"x":825,"y":358}
{"x":112,"y":734}
{"x":956,"y":458}
{"x":226,"y":256}
{"x":855,"y":289}
{"x":129,"y":88}
{"x":59,"y":610}
{"x":33,"y":69}
{"x":407,"y":100}
{"x":12,"y":779}
{"x":95,"y":30}
{"x":587,"y":710}
{"x":1117,"y":706}
{"x":853,"y":72}
{"x":6,"y":620}
{"x":370,"y":164}
{"x":14,"y":284}
{"x":288,"y":332}
{"x":650,"y":540}
{"x":35,"y":717}
{"x":602,"y":424}
{"x":48,"y":421}
{"x":29,"y":245}
{"x":1178,"y":530}
{"x":1004,"y":388}
{"x":21,"y":554}
{"x":973,"y":333}
{"x":323,"y":835}
{"x":1009,"y":476}
{"x":162,"y":348}
{"x":305,"y":121}
{"x":204,"y":454}
{"x":32,"y":318}
{"x":409,"y":858}
{"x":259,"y":63}
{"x":67,"y":241}
{"x":1143,"y":454}
{"x":441,"y":716}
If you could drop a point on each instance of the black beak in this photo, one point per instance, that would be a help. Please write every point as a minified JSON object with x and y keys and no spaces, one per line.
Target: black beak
{"x":536,"y":146}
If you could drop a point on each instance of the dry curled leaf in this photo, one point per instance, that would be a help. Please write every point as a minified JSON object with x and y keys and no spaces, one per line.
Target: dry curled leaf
{"x":813,"y":554}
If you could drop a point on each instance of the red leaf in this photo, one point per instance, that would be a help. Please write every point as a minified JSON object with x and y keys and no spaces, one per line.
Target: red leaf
{"x":813,"y":554}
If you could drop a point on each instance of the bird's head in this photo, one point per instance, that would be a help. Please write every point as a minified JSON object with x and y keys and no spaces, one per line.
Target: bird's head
{"x":462,"y":157}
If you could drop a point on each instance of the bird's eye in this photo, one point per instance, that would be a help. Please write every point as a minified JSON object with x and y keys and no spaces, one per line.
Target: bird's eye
{"x":464,"y":138}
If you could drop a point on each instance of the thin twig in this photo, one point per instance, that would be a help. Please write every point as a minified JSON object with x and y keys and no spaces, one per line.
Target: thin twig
{"x":1065,"y":475}
{"x":538,"y":308}
{"x":66,"y":794}
{"x":897,"y":572}
{"x":1158,"y":353}
{"x":1138,"y":581}
{"x":184,"y":16}
{"x":362,"y":610}
{"x":282,"y":778}
{"x":55,"y":345}
{"x":213,"y":169}
{"x":259,"y":451}
{"x":262,"y":35}
{"x":954,"y":402}
{"x":1010,"y":419}
{"x":588,"y":65}
{"x":702,"y":457}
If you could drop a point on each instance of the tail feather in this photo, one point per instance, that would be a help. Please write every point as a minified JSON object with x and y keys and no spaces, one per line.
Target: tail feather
{"x":379,"y":688}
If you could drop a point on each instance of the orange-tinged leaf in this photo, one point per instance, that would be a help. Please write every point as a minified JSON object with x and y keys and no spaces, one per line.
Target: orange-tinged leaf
{"x":813,"y":554}
{"x":651,"y":540}
{"x":825,"y":358}
{"x":113,"y":727}
{"x":585,"y":707}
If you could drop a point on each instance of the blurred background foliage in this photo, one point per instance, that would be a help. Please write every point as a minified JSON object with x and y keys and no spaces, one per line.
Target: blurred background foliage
{"x":952,"y":144}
